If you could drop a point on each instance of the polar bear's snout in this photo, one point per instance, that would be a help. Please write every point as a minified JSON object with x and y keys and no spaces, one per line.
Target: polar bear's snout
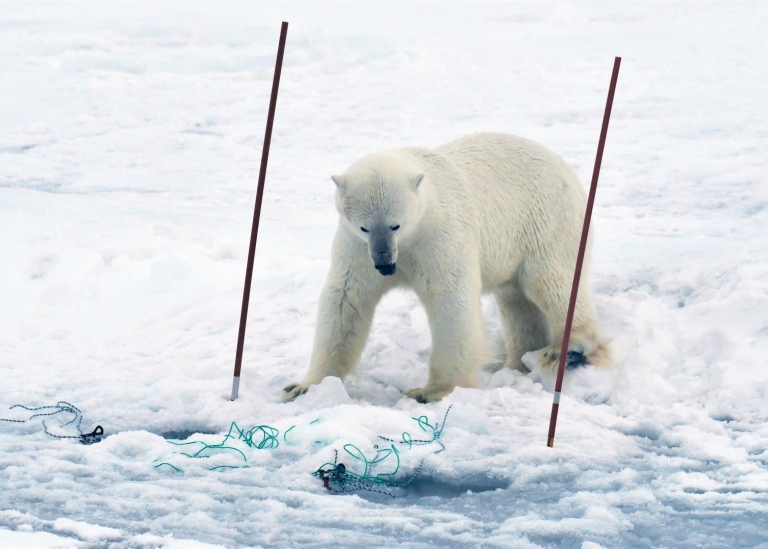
{"x":383,"y":251}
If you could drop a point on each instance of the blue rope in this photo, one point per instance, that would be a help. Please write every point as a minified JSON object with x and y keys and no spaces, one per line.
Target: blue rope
{"x":337,"y":477}
{"x":61,"y":407}
{"x":260,"y":437}
{"x":423,"y":423}
{"x":268,"y":436}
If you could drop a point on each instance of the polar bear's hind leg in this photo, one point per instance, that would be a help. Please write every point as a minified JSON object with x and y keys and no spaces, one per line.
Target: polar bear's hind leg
{"x":525,"y":327}
{"x":550,"y":291}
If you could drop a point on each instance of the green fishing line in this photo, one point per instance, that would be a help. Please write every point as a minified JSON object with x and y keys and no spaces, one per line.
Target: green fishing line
{"x":260,"y":437}
{"x":337,"y":477}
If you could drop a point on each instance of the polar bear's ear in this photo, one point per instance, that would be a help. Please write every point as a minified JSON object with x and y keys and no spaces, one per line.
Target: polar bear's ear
{"x":416,"y":180}
{"x":339,"y":180}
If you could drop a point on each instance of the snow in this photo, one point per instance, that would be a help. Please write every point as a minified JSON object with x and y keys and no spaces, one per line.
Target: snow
{"x":35,"y":540}
{"x":86,"y":531}
{"x":130,"y":145}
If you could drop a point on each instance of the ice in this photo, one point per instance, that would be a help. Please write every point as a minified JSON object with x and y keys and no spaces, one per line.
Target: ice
{"x":85,"y":531}
{"x":130,"y":148}
{"x":35,"y":540}
{"x":330,"y":392}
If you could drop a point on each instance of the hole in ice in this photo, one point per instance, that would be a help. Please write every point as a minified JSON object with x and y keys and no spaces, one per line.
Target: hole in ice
{"x":184,"y":434}
{"x":429,"y":487}
{"x":425,"y":486}
{"x":724,"y":418}
{"x":649,"y":430}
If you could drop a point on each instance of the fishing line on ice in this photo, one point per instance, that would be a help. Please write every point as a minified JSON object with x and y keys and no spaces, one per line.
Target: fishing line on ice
{"x":59,"y":408}
{"x":337,"y":477}
{"x":260,"y":437}
{"x":425,"y":426}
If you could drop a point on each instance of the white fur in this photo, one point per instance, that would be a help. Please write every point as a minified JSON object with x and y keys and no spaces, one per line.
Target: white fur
{"x":485,"y":213}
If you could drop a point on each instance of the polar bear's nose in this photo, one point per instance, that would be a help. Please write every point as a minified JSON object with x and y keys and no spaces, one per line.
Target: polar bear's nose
{"x":386,"y":270}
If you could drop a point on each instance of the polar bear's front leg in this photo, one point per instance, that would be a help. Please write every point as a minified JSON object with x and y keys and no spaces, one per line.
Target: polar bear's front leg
{"x":345,"y":312}
{"x":458,"y":342}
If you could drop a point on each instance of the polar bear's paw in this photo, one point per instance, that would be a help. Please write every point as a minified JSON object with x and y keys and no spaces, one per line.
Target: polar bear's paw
{"x":429,"y":393}
{"x":294,"y":390}
{"x":549,"y":359}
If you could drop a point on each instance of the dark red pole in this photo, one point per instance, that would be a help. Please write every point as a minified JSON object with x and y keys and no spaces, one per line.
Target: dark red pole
{"x":257,"y":211}
{"x":580,"y":258}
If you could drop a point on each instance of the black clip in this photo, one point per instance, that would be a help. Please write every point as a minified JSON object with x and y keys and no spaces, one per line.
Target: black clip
{"x":93,"y":437}
{"x":336,"y":475}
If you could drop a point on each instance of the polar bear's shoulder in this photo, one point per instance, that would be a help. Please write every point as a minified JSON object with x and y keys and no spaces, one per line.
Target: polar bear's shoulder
{"x":493,"y":143}
{"x":507,"y":153}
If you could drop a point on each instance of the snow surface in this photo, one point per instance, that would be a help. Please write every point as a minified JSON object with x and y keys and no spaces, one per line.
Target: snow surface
{"x":130,"y":143}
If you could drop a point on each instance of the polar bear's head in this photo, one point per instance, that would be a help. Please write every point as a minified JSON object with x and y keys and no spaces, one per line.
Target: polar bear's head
{"x":381,"y":198}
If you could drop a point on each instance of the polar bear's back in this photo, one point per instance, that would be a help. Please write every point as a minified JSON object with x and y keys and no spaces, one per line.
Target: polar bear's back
{"x":512,"y":170}
{"x":520,"y":197}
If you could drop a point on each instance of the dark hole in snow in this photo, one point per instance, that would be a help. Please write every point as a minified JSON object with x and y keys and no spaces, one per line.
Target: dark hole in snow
{"x":733,"y":490}
{"x":646,"y":430}
{"x":725,"y":418}
{"x":429,"y":487}
{"x":184,"y":434}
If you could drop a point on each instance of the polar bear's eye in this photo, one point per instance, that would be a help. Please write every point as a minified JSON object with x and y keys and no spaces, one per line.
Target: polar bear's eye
{"x":395,"y":227}
{"x":364,"y":229}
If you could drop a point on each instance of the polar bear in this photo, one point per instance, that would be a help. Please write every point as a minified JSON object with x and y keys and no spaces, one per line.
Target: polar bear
{"x":485,"y":213}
